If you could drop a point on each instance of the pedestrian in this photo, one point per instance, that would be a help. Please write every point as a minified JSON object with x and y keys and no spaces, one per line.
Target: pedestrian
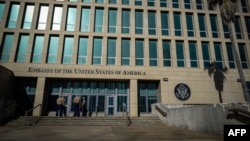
{"x":76,"y":102}
{"x":84,"y":109}
{"x":64,"y":107}
{"x":59,"y":106}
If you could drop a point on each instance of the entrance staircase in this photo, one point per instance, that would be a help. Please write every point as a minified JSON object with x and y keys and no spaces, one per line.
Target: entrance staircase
{"x":85,"y":121}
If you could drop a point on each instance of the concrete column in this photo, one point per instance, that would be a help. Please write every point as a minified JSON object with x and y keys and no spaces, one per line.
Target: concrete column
{"x":133,"y":96}
{"x":39,"y":95}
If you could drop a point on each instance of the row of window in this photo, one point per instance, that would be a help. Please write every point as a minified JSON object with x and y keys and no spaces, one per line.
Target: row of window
{"x":188,"y":4}
{"x":112,"y":27}
{"x":64,"y":55}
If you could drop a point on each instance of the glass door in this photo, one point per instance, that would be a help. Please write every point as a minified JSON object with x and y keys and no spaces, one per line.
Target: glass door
{"x":68,"y":103}
{"x":110,"y":110}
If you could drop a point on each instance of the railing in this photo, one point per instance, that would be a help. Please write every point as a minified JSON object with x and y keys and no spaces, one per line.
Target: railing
{"x":128,"y":120}
{"x":240,"y":115}
{"x":7,"y":113}
{"x":164,"y":114}
{"x":31,"y":110}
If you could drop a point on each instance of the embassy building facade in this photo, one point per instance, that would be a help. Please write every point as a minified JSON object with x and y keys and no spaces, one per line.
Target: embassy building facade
{"x":117,"y":53}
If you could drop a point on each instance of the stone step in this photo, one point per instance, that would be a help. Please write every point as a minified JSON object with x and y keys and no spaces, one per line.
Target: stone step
{"x":87,"y":121}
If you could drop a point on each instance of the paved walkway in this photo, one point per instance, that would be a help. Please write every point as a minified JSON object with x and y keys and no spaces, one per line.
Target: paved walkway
{"x":102,"y":133}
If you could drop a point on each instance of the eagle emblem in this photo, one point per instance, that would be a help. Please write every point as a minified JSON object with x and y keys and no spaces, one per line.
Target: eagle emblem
{"x":182,"y":91}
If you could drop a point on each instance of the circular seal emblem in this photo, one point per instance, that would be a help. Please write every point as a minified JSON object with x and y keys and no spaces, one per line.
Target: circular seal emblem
{"x":182,"y":91}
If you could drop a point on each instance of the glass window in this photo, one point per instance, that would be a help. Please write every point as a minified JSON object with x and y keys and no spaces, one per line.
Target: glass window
{"x":29,"y":10}
{"x":71,"y":19}
{"x":66,"y":86}
{"x":98,"y":20}
{"x":73,"y":0}
{"x":202,"y":25}
{"x":205,"y":54}
{"x":22,"y":48}
{"x":97,"y":51}
{"x":151,"y":23}
{"x":85,"y":19}
{"x":112,"y":20}
{"x":125,"y":21}
{"x":68,"y":50}
{"x":247,"y":21}
{"x":166,"y":48}
{"x":187,"y":4}
{"x":43,"y":14}
{"x":193,"y":54}
{"x":138,"y":2}
{"x":226,"y":31}
{"x":112,"y":1}
{"x":151,"y":2}
{"x":111,"y":52}
{"x":177,"y":24}
{"x":190,"y":25}
{"x":175,"y":4}
{"x":139,"y":52}
{"x":248,"y":87}
{"x":86,"y":1}
{"x":214,"y":26}
{"x":164,"y":3}
{"x":37,"y":49}
{"x":82,"y":50}
{"x":120,"y":101}
{"x":111,"y":88}
{"x":199,"y":4}
{"x":7,"y":46}
{"x":218,"y":55}
{"x":103,"y":87}
{"x":13,"y":16}
{"x":244,"y":4}
{"x":125,"y":2}
{"x":122,"y":88}
{"x":147,"y":95}
{"x":153,"y":53}
{"x":164,"y":23}
{"x":2,"y":5}
{"x":125,"y":52}
{"x":138,"y":22}
{"x":238,"y":29}
{"x":53,"y":49}
{"x":180,"y":53}
{"x":99,"y":1}
{"x":243,"y":56}
{"x":57,"y":17}
{"x":230,"y":55}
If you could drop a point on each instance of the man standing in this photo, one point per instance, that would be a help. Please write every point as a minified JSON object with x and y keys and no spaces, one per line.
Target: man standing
{"x":84,"y":108}
{"x":59,"y":102}
{"x":76,"y":102}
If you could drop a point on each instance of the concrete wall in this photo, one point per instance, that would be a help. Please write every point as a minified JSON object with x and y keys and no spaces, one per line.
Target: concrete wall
{"x":7,"y":83}
{"x":209,"y":118}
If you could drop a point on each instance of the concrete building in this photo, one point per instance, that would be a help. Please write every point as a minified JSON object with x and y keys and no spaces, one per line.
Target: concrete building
{"x":118,"y":53}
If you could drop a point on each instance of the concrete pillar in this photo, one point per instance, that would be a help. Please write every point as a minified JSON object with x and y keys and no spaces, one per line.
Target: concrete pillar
{"x":39,"y":95}
{"x":133,"y":98}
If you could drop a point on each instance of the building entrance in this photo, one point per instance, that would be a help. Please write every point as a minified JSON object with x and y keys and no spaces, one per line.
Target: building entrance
{"x":110,"y":104}
{"x":103,"y":98}
{"x":68,"y":104}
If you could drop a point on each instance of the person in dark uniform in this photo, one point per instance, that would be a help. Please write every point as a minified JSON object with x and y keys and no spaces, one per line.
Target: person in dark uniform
{"x":76,"y":102}
{"x":84,"y":109}
{"x":59,"y":106}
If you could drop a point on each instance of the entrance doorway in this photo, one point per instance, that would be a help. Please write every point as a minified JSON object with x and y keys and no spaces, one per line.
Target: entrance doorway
{"x":103,"y":98}
{"x":111,"y":106}
{"x":68,"y":103}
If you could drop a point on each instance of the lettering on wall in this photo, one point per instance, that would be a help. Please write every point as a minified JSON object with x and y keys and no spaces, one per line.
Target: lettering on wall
{"x":84,"y":71}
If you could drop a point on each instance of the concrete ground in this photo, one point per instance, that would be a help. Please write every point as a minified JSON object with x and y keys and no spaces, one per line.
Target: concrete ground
{"x":102,"y":133}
